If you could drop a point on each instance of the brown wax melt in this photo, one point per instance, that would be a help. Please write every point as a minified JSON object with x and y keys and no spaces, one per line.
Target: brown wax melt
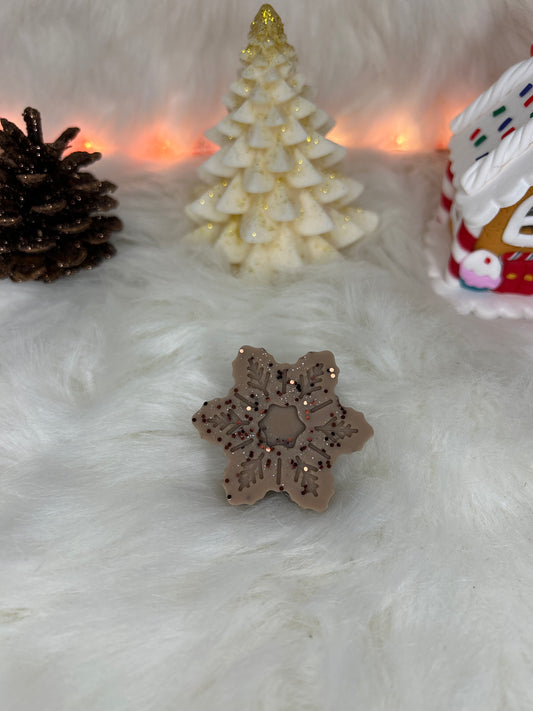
{"x":282,"y":427}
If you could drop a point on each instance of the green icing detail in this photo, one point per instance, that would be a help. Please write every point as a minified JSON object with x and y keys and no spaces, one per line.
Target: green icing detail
{"x":480,"y":141}
{"x":498,"y":111}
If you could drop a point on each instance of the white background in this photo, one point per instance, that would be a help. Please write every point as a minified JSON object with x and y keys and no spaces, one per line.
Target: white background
{"x":127,"y":582}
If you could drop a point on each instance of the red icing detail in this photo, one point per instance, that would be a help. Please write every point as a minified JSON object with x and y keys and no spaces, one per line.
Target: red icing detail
{"x":445,"y":202}
{"x":453,"y":268}
{"x":466,"y":240}
{"x":529,"y":101}
{"x":487,"y":260}
{"x":476,"y":133}
{"x":512,"y":129}
{"x":531,"y":50}
{"x":521,"y":272}
{"x":449,"y":173}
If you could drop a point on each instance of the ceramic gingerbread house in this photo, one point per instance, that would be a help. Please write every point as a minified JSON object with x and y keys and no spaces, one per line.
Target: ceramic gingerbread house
{"x":487,"y":195}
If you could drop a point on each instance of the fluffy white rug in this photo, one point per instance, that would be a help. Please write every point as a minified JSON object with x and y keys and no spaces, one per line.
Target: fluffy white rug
{"x":127,"y":582}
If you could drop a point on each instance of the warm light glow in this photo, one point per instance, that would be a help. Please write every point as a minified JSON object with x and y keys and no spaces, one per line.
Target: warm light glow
{"x":203,"y":147}
{"x":393,"y":132}
{"x":166,"y":144}
{"x":405,"y":130}
{"x":13,"y":116}
{"x":343,"y":136}
{"x":402,"y":142}
{"x":446,"y":112}
{"x":402,"y":133}
{"x":159,"y":145}
{"x":92,"y":142}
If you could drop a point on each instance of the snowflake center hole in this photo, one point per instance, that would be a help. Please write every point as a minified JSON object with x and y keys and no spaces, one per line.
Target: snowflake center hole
{"x":281,"y":426}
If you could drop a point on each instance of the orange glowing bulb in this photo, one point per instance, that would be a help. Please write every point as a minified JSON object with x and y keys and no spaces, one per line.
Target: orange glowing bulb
{"x":96,"y":144}
{"x":158,"y":145}
{"x":163,"y":148}
{"x":401,"y":142}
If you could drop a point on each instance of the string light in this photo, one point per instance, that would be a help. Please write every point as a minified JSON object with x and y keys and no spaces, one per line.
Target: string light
{"x":93,"y":142}
{"x":164,"y":144}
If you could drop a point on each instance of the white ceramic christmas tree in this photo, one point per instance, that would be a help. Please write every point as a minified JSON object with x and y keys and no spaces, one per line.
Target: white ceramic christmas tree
{"x":275,"y":199}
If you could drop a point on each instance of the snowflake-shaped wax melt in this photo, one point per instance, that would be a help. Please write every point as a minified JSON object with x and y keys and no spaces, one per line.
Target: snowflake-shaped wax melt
{"x":282,"y":427}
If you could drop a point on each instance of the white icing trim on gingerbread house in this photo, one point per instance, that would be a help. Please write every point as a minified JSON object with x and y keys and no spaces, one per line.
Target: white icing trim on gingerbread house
{"x":504,"y":188}
{"x":491,"y":151}
{"x":482,"y":171}
{"x":516,"y":74}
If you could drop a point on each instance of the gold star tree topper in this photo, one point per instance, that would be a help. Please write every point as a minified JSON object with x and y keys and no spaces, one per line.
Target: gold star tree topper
{"x":267,"y":27}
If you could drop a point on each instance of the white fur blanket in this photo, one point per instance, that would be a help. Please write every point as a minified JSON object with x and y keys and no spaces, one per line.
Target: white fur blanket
{"x":127,"y":583}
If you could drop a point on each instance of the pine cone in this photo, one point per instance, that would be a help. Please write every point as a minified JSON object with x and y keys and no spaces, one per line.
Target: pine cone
{"x":48,"y":225}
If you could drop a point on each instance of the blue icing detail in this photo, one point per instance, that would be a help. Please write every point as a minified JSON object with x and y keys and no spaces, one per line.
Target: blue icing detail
{"x":482,"y":156}
{"x":504,"y":124}
{"x":526,"y":90}
{"x":471,"y":288}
